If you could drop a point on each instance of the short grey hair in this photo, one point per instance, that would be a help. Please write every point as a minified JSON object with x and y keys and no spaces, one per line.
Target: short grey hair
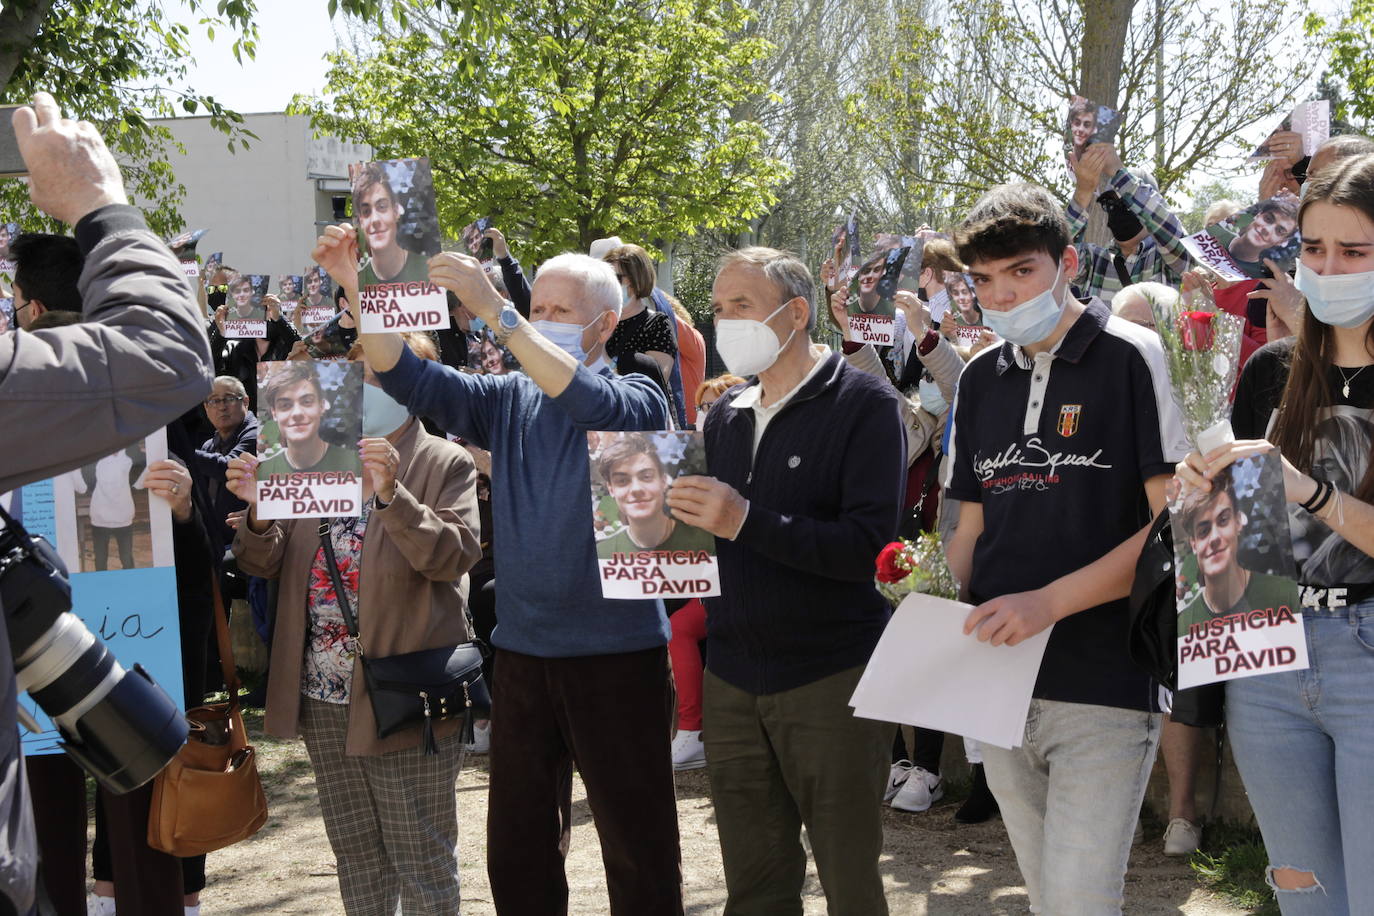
{"x":784,"y":270}
{"x":1156,"y":295}
{"x":599,"y":285}
{"x":233,"y":384}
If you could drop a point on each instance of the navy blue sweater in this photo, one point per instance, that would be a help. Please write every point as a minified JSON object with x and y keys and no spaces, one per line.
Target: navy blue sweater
{"x":825,"y":493}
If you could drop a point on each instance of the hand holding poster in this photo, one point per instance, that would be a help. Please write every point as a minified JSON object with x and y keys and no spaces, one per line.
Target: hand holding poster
{"x":246,"y":316}
{"x":398,"y":232}
{"x":1309,"y":120}
{"x":311,"y":415}
{"x":642,"y":551}
{"x":1087,"y":123}
{"x":1237,"y":247}
{"x":894,"y":265}
{"x":1238,"y":612}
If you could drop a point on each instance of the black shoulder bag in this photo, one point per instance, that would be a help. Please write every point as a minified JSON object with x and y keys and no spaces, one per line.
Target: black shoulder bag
{"x":416,"y":688}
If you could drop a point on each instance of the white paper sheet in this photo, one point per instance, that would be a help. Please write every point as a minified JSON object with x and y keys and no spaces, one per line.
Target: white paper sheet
{"x":926,"y":672}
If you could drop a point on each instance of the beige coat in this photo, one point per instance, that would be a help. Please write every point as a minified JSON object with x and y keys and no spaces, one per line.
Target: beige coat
{"x":411,"y":588}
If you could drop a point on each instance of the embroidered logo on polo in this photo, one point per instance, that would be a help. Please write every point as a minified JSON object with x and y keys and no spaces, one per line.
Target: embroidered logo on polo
{"x":794,"y":462}
{"x":1068,"y":419}
{"x":1031,"y":466}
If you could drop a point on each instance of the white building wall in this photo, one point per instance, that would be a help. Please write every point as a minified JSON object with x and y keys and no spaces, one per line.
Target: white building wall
{"x":263,"y":206}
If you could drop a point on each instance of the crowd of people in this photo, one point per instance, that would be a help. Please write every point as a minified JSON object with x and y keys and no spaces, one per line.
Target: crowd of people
{"x":1023,"y":412}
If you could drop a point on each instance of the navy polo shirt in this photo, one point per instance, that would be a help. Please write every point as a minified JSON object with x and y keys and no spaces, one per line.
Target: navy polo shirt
{"x":1057,"y":448}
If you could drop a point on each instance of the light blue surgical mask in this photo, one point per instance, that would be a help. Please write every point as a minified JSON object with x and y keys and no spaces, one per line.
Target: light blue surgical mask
{"x":382,"y":414}
{"x":932,"y":401}
{"x":476,"y":325}
{"x":1032,"y":320}
{"x":565,"y":336}
{"x":1342,"y":300}
{"x":625,"y":297}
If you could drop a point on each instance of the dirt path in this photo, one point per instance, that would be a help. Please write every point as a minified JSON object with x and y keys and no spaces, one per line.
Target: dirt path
{"x":931,"y":865}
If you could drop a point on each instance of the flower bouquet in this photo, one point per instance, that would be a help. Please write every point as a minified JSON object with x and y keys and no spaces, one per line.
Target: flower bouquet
{"x":1202,"y":352}
{"x":915,"y":566}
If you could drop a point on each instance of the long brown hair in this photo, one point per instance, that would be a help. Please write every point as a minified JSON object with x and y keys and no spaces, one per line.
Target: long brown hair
{"x":1309,"y":389}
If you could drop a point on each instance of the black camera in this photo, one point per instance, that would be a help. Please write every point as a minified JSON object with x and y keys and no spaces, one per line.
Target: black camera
{"x":119,"y":725}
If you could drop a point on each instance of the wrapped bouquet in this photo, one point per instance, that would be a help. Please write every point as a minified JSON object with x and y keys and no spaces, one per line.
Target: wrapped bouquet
{"x":915,"y":566}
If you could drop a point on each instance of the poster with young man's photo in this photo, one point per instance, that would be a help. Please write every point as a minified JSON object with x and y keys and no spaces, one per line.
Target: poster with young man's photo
{"x":289,"y":288}
{"x":8,"y":232}
{"x":641,"y":549}
{"x":487,"y":357}
{"x":1237,"y":247}
{"x":317,"y":303}
{"x":1087,"y":123}
{"x":1238,"y":609}
{"x":1310,"y":120}
{"x":475,"y":240}
{"x":245,"y":315}
{"x":398,"y":232}
{"x":312,"y":418}
{"x":114,"y":534}
{"x":894,"y":265}
{"x":963,"y":305}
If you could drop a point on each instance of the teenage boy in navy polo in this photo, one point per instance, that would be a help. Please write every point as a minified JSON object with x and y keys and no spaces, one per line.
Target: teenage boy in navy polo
{"x":1064,"y":437}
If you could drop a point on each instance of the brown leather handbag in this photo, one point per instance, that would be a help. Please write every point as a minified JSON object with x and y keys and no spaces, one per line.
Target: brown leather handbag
{"x":210,"y":795}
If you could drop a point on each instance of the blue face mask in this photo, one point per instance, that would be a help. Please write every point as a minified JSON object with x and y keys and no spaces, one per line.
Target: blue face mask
{"x":565,"y":335}
{"x":1031,"y":321}
{"x":625,"y":297}
{"x":382,"y":414}
{"x":931,"y":400}
{"x":476,"y":325}
{"x":1342,"y":300}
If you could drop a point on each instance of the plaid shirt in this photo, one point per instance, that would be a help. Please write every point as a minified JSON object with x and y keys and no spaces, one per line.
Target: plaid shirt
{"x":1160,"y":255}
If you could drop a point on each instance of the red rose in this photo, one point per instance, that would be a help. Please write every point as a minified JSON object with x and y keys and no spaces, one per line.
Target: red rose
{"x":1195,"y":330}
{"x":891,"y":567}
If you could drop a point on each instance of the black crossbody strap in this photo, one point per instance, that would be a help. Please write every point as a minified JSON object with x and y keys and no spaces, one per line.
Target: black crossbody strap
{"x":332,"y":562}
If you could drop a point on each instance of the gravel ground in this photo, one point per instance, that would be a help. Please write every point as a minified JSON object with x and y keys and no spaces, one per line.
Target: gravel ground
{"x":930,"y":864}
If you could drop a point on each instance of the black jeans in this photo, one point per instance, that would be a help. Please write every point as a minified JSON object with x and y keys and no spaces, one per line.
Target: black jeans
{"x":612,"y":716}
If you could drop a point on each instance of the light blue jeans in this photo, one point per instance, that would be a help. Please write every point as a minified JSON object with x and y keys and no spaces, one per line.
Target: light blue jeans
{"x":1304,"y":744}
{"x":1070,"y":796}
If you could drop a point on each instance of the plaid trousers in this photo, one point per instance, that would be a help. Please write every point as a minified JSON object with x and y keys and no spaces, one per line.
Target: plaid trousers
{"x":391,"y":819}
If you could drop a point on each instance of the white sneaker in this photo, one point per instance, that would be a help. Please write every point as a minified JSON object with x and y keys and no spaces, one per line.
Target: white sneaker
{"x":895,"y":777}
{"x":921,"y":790}
{"x":689,"y":753}
{"x":481,"y":739}
{"x":1182,"y":837}
{"x":97,"y":905}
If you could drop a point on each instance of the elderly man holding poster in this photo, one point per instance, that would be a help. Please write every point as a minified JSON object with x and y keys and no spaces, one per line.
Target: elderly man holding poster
{"x":582,"y":680}
{"x":807,"y":467}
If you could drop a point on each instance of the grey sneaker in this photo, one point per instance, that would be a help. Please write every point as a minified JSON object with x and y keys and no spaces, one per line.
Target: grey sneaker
{"x":1182,"y":837}
{"x":921,"y":790}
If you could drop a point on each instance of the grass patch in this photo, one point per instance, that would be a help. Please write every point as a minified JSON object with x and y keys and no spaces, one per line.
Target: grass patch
{"x":1232,"y":862}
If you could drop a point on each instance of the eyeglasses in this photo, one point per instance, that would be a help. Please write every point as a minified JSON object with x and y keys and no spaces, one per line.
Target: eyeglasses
{"x":221,"y":402}
{"x":217,"y":289}
{"x":702,"y":408}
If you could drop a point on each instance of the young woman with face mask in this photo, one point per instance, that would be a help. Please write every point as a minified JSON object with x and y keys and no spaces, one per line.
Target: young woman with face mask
{"x":1303,"y":739}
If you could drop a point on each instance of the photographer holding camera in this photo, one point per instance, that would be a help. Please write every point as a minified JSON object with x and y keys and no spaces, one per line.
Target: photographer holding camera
{"x":71,"y":395}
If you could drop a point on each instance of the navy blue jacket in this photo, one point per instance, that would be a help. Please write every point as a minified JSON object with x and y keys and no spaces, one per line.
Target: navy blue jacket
{"x":825,"y":494}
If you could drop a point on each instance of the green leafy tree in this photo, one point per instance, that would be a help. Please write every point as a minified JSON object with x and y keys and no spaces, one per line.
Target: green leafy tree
{"x":1350,"y":42}
{"x":574,"y":120}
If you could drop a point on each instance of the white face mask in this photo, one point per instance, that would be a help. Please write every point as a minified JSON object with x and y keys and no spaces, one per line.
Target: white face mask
{"x":565,"y":335}
{"x":382,"y":414}
{"x":1031,"y":321}
{"x":749,"y":347}
{"x":932,"y":401}
{"x":1342,"y":300}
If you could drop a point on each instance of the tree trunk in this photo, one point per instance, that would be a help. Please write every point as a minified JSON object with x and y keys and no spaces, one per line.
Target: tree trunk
{"x":1105,"y":26}
{"x":20,"y":21}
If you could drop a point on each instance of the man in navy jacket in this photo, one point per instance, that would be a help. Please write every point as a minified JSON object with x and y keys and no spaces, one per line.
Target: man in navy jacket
{"x":807,"y":466}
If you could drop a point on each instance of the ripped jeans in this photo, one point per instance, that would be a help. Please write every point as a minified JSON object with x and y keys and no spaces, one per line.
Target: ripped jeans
{"x":1304,"y":745}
